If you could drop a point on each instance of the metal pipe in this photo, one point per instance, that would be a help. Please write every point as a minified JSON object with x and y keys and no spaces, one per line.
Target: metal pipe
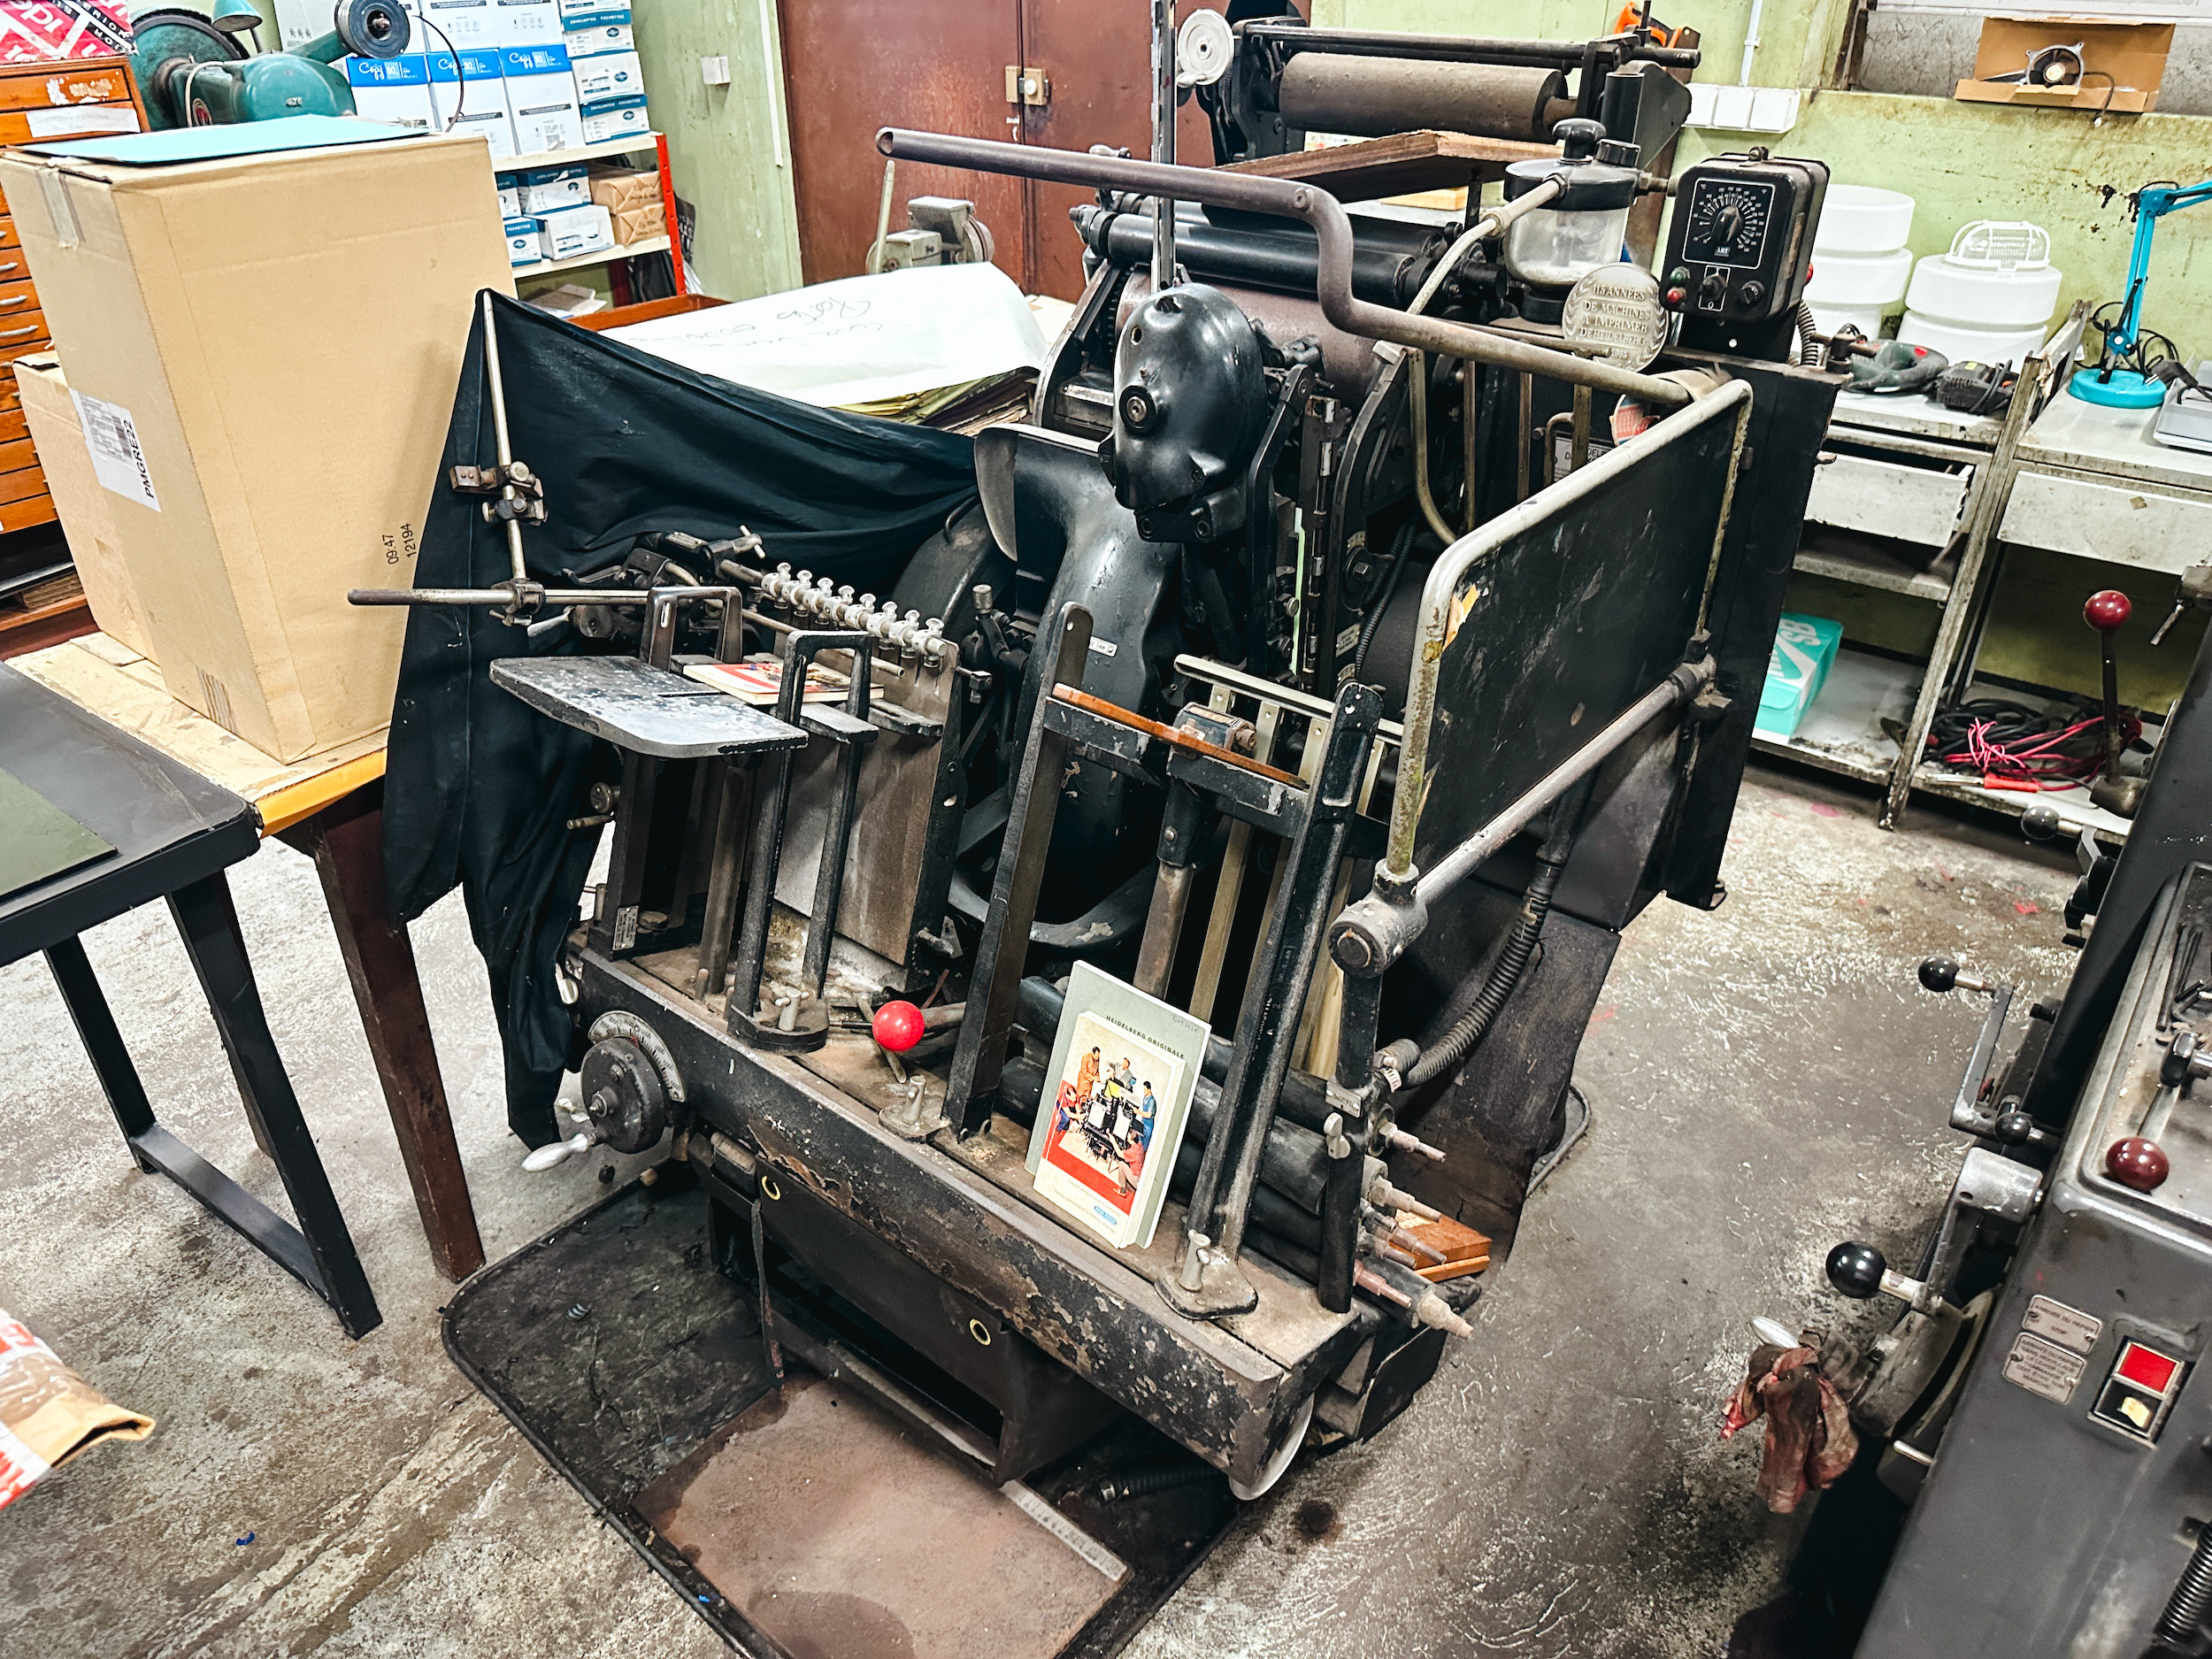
{"x":1449,"y":572}
{"x":1464,"y":859}
{"x":1162,"y":141}
{"x":1417,"y":386}
{"x":1285,"y":199}
{"x":1459,"y":48}
{"x":501,"y":445}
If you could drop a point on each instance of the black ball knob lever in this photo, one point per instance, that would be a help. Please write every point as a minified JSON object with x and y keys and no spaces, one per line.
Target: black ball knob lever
{"x":1855,"y":1269}
{"x":1940,"y":974}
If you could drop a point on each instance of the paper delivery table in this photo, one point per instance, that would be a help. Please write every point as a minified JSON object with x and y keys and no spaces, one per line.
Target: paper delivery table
{"x":330,"y":807}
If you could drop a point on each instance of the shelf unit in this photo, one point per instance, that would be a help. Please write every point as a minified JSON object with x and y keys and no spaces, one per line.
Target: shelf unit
{"x":1908,"y":500}
{"x":608,"y":150}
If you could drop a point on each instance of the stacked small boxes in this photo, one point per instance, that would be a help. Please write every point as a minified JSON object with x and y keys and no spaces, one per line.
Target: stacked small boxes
{"x":569,"y":76}
{"x":610,"y":80}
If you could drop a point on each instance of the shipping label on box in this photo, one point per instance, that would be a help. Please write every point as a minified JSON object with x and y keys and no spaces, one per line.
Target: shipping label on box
{"x":394,"y":90}
{"x":468,"y":94}
{"x":528,"y":22}
{"x":550,"y":189}
{"x":616,"y":118}
{"x":525,"y":241}
{"x":610,"y":75}
{"x":40,"y":31}
{"x":459,"y":26}
{"x":601,"y":32}
{"x":81,"y":500}
{"x":575,"y":231}
{"x":541,"y":99}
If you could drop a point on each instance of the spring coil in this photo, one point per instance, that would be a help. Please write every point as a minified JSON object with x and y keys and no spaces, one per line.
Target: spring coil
{"x":2191,"y":1598}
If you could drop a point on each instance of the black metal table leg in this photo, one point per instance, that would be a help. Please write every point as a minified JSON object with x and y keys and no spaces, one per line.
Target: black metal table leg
{"x":102,"y":1043}
{"x":209,"y":923}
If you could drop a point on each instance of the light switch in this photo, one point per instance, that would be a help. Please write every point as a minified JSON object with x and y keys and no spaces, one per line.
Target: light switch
{"x":715,"y":71}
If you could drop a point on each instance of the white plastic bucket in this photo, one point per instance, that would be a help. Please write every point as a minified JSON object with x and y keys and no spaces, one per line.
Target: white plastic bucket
{"x":1860,"y":218}
{"x":1866,"y":319}
{"x":1998,"y":274}
{"x":1964,"y":344}
{"x":1859,"y":279}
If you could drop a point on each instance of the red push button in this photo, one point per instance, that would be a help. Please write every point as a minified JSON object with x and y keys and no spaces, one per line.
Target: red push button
{"x":2139,"y":1391}
{"x":2146,"y":1368}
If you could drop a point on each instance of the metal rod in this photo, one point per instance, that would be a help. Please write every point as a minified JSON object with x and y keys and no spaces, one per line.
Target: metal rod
{"x":1464,"y":859}
{"x":501,"y":446}
{"x":1162,"y":141}
{"x":1462,"y":49}
{"x":1283,"y":198}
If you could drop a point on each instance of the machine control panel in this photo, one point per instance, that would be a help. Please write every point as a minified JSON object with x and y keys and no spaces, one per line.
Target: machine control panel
{"x":1739,"y":251}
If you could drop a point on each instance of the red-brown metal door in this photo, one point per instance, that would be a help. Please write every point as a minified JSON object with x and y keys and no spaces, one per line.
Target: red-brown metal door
{"x":1098,"y":53}
{"x":851,"y":66}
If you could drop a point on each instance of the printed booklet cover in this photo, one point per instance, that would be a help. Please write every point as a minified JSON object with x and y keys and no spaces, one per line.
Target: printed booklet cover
{"x":1125,"y":1066}
{"x":757,"y":680}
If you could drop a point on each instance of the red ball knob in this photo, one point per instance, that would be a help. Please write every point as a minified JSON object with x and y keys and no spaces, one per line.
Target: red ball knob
{"x":897,"y":1026}
{"x":2135,"y":1162}
{"x":2108,"y":609}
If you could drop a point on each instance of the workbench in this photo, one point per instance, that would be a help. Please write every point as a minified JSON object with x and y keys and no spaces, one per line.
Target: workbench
{"x":1917,"y":500}
{"x":329,"y":806}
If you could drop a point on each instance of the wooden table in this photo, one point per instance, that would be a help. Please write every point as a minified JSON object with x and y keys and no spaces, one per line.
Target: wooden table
{"x":331,"y":807}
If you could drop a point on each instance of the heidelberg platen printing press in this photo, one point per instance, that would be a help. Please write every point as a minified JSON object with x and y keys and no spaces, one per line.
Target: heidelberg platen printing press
{"x":1366,"y":625}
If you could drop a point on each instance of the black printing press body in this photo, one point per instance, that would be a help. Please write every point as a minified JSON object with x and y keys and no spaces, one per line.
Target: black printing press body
{"x":1317,"y":659}
{"x":2037,"y":1405}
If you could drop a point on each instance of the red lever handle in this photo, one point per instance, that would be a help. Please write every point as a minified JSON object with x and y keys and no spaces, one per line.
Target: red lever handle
{"x":2108,"y":609}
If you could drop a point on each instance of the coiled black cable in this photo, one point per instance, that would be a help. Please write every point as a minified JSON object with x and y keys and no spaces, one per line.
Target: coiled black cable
{"x":1399,"y":548}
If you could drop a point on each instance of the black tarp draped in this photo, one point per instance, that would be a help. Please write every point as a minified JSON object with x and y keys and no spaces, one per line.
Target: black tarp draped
{"x":476,"y":787}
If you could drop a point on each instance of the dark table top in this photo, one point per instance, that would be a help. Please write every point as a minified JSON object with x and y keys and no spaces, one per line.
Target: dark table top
{"x":169,"y":825}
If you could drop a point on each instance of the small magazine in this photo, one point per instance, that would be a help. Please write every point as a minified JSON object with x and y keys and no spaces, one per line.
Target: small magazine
{"x":759,"y":679}
{"x":1117,"y":1093}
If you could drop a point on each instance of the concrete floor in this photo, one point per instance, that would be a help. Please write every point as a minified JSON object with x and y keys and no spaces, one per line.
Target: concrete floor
{"x":1766,"y":1079}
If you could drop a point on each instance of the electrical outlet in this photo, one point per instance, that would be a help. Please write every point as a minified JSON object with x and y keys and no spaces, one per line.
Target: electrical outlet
{"x":715,"y":71}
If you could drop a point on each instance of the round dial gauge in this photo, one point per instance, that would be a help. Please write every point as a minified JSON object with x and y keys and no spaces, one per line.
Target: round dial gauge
{"x":1728,"y":221}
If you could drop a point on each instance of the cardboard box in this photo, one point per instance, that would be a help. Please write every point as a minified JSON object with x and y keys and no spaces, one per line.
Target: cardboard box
{"x":608,"y":75}
{"x":527,"y":22}
{"x":2122,"y":64}
{"x":251,"y":487}
{"x":588,"y":8}
{"x":550,"y":189}
{"x":541,"y":99}
{"x":576,"y":231}
{"x":468,"y":94}
{"x":616,"y":118}
{"x":618,"y":190}
{"x":525,"y":241}
{"x":458,"y":25}
{"x":634,"y":224}
{"x":394,"y":90}
{"x":510,"y":197}
{"x":599,"y":33}
{"x":79,"y":503}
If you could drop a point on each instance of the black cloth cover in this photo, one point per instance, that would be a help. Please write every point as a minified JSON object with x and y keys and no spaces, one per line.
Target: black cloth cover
{"x":477,"y":786}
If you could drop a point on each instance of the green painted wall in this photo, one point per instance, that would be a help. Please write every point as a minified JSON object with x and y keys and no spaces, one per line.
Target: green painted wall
{"x":729,"y":147}
{"x":1959,"y":161}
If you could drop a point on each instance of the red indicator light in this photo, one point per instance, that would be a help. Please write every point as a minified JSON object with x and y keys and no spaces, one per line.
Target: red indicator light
{"x":2146,"y":1368}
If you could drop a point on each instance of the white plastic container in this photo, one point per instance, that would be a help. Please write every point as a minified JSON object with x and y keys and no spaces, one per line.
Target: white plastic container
{"x":1964,"y":344}
{"x":1998,"y":275}
{"x":1866,"y":319}
{"x":1858,"y":219}
{"x":1859,"y":279}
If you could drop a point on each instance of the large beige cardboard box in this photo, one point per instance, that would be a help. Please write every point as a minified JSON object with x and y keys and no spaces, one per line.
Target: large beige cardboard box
{"x":79,"y":501}
{"x":262,"y":353}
